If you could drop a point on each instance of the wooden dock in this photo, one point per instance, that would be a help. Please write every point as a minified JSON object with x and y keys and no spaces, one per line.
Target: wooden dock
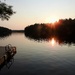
{"x":6,"y":52}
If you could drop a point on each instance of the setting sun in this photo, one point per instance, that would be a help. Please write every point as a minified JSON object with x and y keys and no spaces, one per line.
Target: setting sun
{"x":51,"y":20}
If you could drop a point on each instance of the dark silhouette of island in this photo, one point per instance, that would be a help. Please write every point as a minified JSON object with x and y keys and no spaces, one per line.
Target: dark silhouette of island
{"x":63,"y":30}
{"x":5,"y":32}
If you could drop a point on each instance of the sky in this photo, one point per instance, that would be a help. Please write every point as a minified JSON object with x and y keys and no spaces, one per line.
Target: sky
{"x":29,"y":12}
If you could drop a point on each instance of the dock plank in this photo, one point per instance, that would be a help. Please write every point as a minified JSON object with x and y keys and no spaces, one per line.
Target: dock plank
{"x":6,"y":52}
{"x":2,"y":51}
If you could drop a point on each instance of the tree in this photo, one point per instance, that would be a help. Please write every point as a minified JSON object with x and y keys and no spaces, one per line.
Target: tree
{"x":5,"y":11}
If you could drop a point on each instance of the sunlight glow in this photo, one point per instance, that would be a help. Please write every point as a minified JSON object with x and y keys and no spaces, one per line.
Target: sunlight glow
{"x":51,"y":20}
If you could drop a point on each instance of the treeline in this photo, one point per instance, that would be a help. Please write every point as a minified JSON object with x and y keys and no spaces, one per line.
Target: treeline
{"x":5,"y":31}
{"x":40,"y":30}
{"x":65,"y":27}
{"x":64,"y":30}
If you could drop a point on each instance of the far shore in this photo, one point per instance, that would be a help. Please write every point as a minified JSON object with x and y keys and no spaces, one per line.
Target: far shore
{"x":17,"y":31}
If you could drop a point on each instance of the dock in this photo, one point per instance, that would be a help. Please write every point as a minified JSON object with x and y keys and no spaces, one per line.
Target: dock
{"x":6,"y":52}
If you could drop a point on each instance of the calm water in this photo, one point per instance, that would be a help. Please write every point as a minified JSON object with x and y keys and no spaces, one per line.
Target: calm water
{"x":39,"y":57}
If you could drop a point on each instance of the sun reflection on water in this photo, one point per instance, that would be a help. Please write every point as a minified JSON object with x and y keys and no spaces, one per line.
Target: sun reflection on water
{"x":53,"y":41}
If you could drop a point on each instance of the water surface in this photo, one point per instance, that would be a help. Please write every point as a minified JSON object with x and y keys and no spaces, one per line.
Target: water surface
{"x":36,"y":57}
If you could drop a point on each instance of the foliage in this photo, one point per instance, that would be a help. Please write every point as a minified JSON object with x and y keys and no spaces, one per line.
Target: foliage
{"x":4,"y":31}
{"x":40,"y":30}
{"x":5,"y":11}
{"x":64,"y":30}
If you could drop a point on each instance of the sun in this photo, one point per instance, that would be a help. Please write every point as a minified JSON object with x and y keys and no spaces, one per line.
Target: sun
{"x":51,"y":20}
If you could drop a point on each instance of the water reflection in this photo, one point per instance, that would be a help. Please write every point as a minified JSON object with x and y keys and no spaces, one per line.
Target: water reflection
{"x":52,"y":38}
{"x":7,"y":63}
{"x":35,"y":58}
{"x":2,"y":36}
{"x":53,"y":41}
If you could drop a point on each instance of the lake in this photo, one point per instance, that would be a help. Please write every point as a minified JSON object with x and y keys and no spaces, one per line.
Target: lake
{"x":39,"y":57}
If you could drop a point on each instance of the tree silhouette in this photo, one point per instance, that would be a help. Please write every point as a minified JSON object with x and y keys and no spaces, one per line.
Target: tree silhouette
{"x":5,"y":11}
{"x":64,"y":30}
